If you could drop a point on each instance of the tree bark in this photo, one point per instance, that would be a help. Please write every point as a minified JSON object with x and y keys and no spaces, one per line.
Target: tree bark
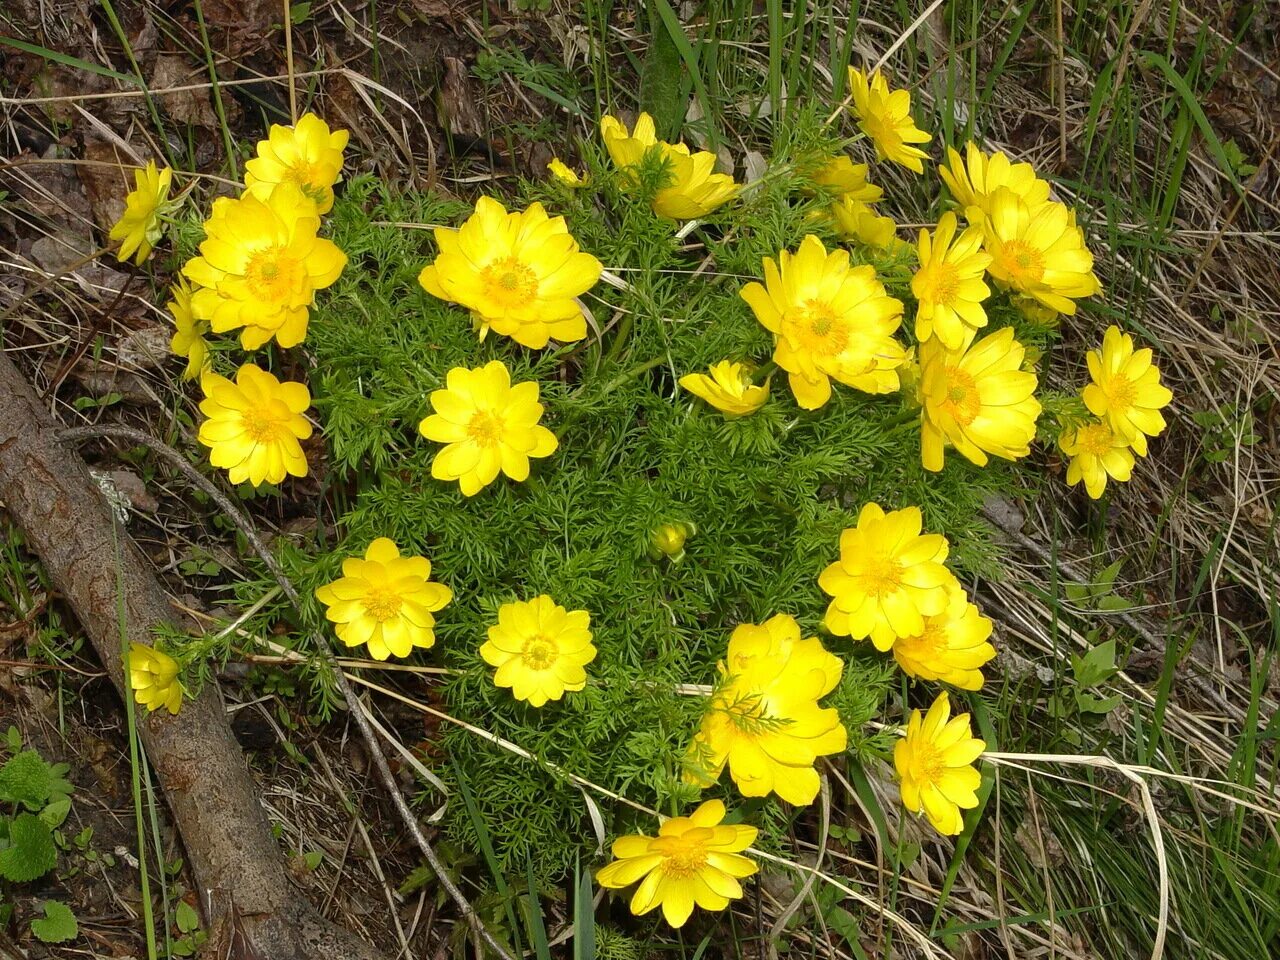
{"x":244,"y":887}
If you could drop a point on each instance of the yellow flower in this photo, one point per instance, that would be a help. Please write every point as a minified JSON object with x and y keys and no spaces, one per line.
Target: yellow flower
{"x":885,"y":117}
{"x":973,"y":181}
{"x":306,"y":155}
{"x":139,"y":228}
{"x":692,"y":188}
{"x":564,"y":173}
{"x":693,"y":860}
{"x":1038,"y":250}
{"x":154,"y":678}
{"x":952,"y":647}
{"x":949,"y":284}
{"x":488,"y":426}
{"x":518,"y":273}
{"x":980,"y":400}
{"x":729,"y":389}
{"x":888,"y":579}
{"x":856,"y":220}
{"x":829,"y":321}
{"x":188,"y":337}
{"x":668,"y":540}
{"x":934,"y":762}
{"x":254,"y":425}
{"x":385,"y":601}
{"x":1096,"y":453}
{"x":847,"y":180}
{"x":539,"y":649}
{"x":1126,"y":390}
{"x":763,"y":720}
{"x":261,"y":265}
{"x":628,"y":149}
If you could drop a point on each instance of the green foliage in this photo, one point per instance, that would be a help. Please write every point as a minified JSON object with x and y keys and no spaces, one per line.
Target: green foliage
{"x":27,"y":780}
{"x":29,"y":851}
{"x":58,"y":924}
{"x":768,"y":494}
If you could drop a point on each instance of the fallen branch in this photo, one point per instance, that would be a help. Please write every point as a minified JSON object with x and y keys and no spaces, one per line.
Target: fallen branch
{"x":243,"y":884}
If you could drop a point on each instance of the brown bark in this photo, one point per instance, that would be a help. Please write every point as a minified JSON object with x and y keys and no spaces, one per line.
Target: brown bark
{"x":242,"y":881}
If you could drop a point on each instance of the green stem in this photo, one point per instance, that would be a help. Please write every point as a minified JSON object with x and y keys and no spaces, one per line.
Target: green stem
{"x":217,"y":95}
{"x":631,"y":374}
{"x":135,"y":763}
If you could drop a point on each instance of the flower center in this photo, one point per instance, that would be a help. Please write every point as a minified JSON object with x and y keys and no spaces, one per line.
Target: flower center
{"x":382,"y":603}
{"x":303,"y":175}
{"x":941,"y":284}
{"x":485,"y":428}
{"x":259,"y":425}
{"x":1095,"y":439}
{"x":272,"y":275}
{"x":929,"y":645}
{"x":1023,"y":262}
{"x":539,"y":652}
{"x":1121,"y":392}
{"x":963,"y":402}
{"x":880,"y":130}
{"x":817,"y":328}
{"x":881,"y":575}
{"x":509,"y":282}
{"x":928,"y":764}
{"x":683,"y":855}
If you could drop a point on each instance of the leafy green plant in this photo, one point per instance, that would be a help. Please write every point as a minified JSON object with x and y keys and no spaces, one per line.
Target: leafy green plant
{"x":36,"y":797}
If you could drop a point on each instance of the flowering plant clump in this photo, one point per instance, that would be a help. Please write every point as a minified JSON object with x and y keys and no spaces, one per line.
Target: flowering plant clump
{"x":653,"y":567}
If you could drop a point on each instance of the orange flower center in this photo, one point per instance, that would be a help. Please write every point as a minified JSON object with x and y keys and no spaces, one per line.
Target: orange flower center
{"x":930,"y":645}
{"x":940,"y":283}
{"x":383,"y":604}
{"x":684,"y":855}
{"x":1121,"y":392}
{"x":927,"y":763}
{"x":1022,"y":262}
{"x":963,"y":402}
{"x":273,"y":275}
{"x":259,"y":425}
{"x":817,"y":329}
{"x":485,"y":428}
{"x":509,"y":282}
{"x":1095,"y":439}
{"x":881,"y":575}
{"x":303,"y":175}
{"x":539,"y":652}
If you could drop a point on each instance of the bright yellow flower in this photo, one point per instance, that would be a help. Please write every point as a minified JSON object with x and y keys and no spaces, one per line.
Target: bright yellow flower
{"x":885,"y":117}
{"x":973,"y":181}
{"x":980,"y":400}
{"x":188,"y":337}
{"x":254,"y":425}
{"x":693,"y":860}
{"x":1096,"y":453}
{"x":668,"y":540}
{"x":628,"y":148}
{"x":829,"y":321}
{"x":763,"y":720}
{"x":847,"y":180}
{"x":518,"y":273}
{"x":539,"y":649}
{"x":1126,"y":390}
{"x":153,"y":675}
{"x":888,"y":579}
{"x":260,"y":265}
{"x":385,"y":601}
{"x":1039,"y":250}
{"x":564,"y":173}
{"x":139,"y":228}
{"x":934,"y":762}
{"x":728,"y":388}
{"x":489,"y":426}
{"x":856,"y":220}
{"x":306,"y":155}
{"x":949,"y":284}
{"x":692,"y":187}
{"x":952,"y":647}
